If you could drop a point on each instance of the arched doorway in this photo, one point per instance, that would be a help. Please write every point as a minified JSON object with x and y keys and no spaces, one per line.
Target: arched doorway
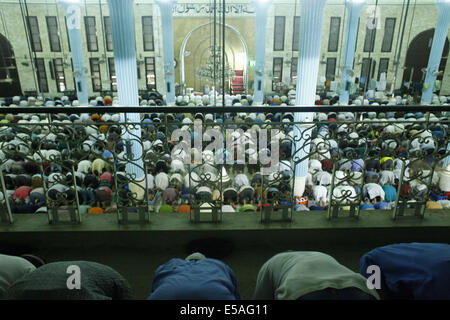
{"x":192,"y":54}
{"x":418,"y":55}
{"x":9,"y":77}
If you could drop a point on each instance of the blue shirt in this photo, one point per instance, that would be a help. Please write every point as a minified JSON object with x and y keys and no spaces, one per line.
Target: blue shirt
{"x":206,"y":279}
{"x":390,"y":193}
{"x":382,"y":206}
{"x":412,"y":270}
{"x":367,"y":206}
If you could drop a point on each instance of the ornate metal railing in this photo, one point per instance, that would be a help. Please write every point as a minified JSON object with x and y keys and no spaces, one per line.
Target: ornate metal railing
{"x":355,"y":151}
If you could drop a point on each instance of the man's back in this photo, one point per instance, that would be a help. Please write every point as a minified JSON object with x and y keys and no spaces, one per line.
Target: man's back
{"x":412,"y":270}
{"x":97,"y":282}
{"x":291,"y":275}
{"x":12,"y":269}
{"x":205,"y":279}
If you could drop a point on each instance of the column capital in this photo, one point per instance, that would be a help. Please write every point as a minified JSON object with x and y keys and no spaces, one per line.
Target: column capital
{"x":443,"y":2}
{"x":70,"y":2}
{"x":354,"y":4}
{"x":262,"y":4}
{"x":443,"y":5}
{"x":165,"y":3}
{"x":313,"y":3}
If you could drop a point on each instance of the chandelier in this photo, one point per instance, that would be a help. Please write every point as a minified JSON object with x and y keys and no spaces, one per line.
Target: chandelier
{"x":214,"y":67}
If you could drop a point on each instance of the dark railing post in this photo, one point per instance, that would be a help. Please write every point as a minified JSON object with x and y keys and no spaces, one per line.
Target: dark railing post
{"x":145,"y":216}
{"x":116,"y":191}
{"x":75,"y":214}
{"x":331,"y":209}
{"x":421,"y":212}
{"x":44,"y":188}
{"x":266,"y":213}
{"x":5,"y":217}
{"x":196,"y":213}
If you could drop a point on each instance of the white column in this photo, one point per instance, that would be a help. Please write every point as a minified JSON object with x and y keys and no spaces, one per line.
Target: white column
{"x":122,"y":22}
{"x":310,"y":34}
{"x":73,"y":18}
{"x":166,"y":7}
{"x":353,"y":8}
{"x":261,"y":7}
{"x":440,"y":35}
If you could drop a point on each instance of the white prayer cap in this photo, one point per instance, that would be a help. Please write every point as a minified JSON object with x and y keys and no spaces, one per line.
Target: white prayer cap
{"x":342,"y":128}
{"x":84,"y":116}
{"x":353,"y":135}
{"x":322,"y":116}
{"x":106,"y":117}
{"x":186,"y":121}
{"x":390,"y":129}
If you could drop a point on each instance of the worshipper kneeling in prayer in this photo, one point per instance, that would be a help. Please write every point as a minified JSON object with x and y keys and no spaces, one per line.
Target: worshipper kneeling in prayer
{"x":412,"y":271}
{"x":13,"y":268}
{"x":309,"y":275}
{"x":229,"y":205}
{"x":194,"y":278}
{"x":229,"y":198}
{"x":50,"y":282}
{"x":367,"y":205}
{"x":184,"y":207}
{"x":168,"y":207}
{"x":247,"y":199}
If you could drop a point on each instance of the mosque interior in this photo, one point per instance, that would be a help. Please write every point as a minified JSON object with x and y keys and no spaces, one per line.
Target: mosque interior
{"x":329,"y":122}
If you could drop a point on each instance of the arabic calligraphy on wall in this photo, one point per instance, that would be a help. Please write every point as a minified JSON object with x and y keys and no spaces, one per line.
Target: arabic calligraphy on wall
{"x":201,"y":9}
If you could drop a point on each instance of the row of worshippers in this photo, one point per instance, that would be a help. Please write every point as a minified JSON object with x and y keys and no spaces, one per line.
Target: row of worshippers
{"x":381,"y":179}
{"x":406,"y":271}
{"x":371,"y":157}
{"x":285,"y":98}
